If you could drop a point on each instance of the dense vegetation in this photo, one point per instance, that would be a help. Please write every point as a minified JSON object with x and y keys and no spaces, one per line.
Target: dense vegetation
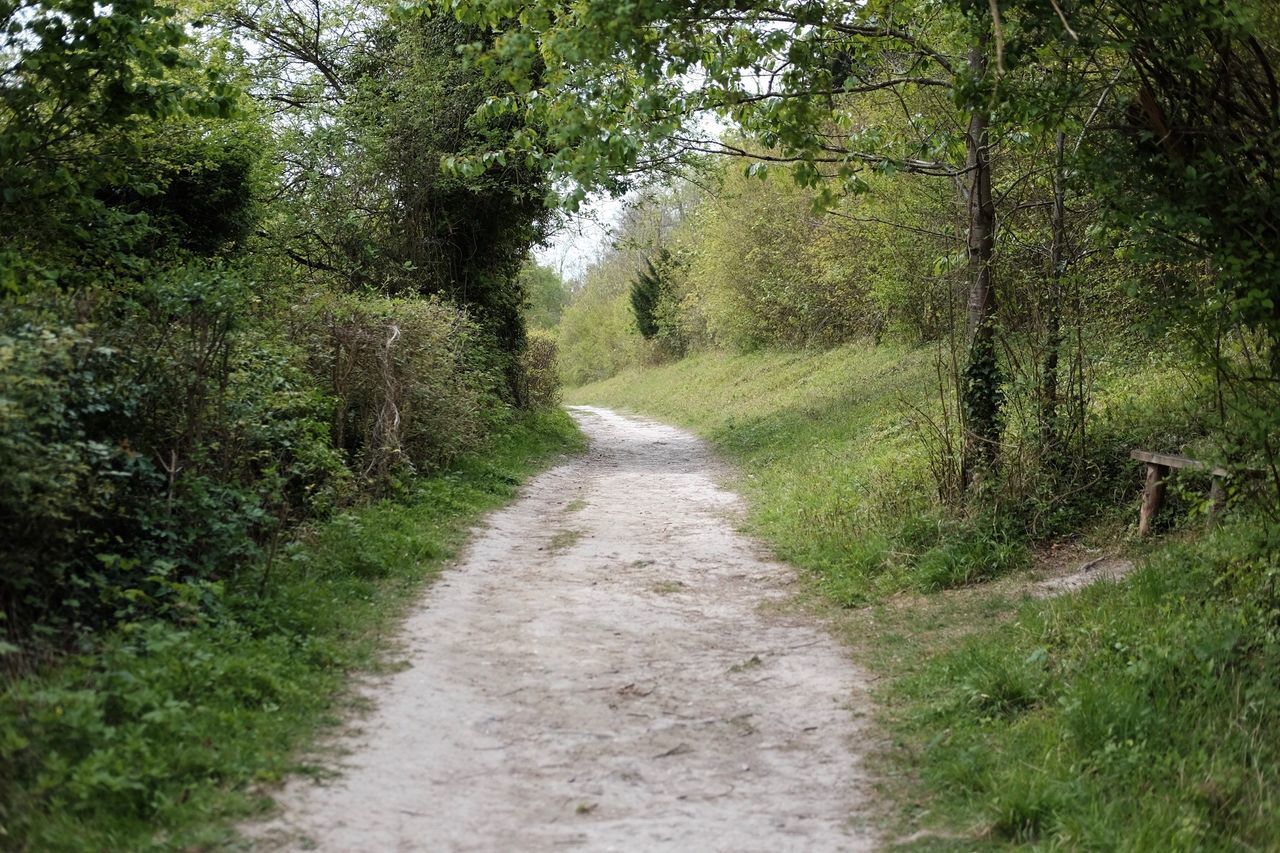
{"x":262,"y":358}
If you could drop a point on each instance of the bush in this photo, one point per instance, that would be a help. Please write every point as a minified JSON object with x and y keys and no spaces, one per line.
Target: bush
{"x":148,"y":449}
{"x":409,"y":378}
{"x":57,"y":478}
{"x":539,"y":375}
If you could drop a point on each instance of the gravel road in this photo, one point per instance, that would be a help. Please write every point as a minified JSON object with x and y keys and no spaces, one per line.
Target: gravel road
{"x":608,"y":667}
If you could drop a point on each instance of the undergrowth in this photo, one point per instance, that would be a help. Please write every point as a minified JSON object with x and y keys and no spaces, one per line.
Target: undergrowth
{"x":161,"y":734}
{"x":1134,"y":715}
{"x":1137,"y":716}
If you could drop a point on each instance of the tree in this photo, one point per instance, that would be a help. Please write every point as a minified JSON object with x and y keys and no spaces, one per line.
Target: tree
{"x":545,"y":294}
{"x":646,"y":291}
{"x":1185,"y":162}
{"x":369,"y":115}
{"x":614,"y":94}
{"x":1201,"y":183}
{"x":78,"y":86}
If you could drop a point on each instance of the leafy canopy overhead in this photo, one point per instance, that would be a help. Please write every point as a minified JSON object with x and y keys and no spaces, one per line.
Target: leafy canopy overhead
{"x":615,"y":90}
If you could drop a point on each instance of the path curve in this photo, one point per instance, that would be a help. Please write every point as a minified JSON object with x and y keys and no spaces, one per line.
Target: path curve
{"x":604,"y":669}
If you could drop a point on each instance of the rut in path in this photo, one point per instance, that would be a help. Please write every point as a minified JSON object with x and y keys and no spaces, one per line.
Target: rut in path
{"x":604,"y":669}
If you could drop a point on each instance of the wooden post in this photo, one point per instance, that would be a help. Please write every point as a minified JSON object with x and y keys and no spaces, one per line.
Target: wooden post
{"x":1158,"y":467}
{"x":1152,"y":496}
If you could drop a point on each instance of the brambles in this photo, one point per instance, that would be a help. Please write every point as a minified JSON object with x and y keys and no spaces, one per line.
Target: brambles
{"x":197,"y":352}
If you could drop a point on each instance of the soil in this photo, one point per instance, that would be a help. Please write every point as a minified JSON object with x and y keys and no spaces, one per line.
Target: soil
{"x":609,"y":667}
{"x":1108,"y":567}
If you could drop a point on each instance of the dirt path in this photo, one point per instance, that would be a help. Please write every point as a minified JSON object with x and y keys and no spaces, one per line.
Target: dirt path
{"x":602,"y":671}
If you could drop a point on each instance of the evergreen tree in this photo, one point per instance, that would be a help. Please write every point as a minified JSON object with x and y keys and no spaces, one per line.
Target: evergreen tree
{"x":646,"y":291}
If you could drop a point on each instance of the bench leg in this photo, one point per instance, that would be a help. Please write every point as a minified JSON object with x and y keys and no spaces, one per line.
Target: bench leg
{"x":1152,"y":496}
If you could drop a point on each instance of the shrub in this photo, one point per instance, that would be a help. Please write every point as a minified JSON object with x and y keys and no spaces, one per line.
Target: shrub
{"x":771,"y":272}
{"x":149,"y":448}
{"x":409,"y":378}
{"x":57,"y":479}
{"x":539,"y":376}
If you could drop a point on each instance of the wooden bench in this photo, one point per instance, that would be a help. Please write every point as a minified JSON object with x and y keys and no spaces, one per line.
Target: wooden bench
{"x":1158,"y":467}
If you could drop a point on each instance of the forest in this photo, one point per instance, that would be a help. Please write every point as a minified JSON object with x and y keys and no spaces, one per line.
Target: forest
{"x":274,"y":334}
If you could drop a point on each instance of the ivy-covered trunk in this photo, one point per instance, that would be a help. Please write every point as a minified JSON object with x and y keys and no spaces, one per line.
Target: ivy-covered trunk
{"x":1050,"y":435}
{"x":981,"y":394}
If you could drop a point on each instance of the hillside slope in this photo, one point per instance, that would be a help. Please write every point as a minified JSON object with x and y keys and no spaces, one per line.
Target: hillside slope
{"x":824,"y":440}
{"x":1126,"y":715}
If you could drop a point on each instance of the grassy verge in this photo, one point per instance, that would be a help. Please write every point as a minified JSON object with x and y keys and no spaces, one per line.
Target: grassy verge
{"x":1129,"y":715}
{"x":159,"y":737}
{"x":832,"y":461}
{"x":1141,"y":715}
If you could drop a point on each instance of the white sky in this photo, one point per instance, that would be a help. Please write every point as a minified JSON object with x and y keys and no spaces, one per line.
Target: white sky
{"x":583,"y":237}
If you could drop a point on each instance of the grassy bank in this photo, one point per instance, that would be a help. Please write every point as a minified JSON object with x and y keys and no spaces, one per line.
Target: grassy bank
{"x":824,"y":442}
{"x":1128,"y":715}
{"x":1141,"y":715}
{"x":164,"y":734}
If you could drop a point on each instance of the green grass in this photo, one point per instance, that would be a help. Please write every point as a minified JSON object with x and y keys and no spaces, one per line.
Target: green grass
{"x":828,"y":448}
{"x":1136,"y":715}
{"x":162,"y":735}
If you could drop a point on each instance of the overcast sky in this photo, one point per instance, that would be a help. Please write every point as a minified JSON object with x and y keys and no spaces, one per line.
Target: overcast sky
{"x":583,"y":237}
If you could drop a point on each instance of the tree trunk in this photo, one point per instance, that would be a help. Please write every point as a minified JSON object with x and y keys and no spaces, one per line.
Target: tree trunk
{"x":982,"y":396}
{"x":1049,"y":432}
